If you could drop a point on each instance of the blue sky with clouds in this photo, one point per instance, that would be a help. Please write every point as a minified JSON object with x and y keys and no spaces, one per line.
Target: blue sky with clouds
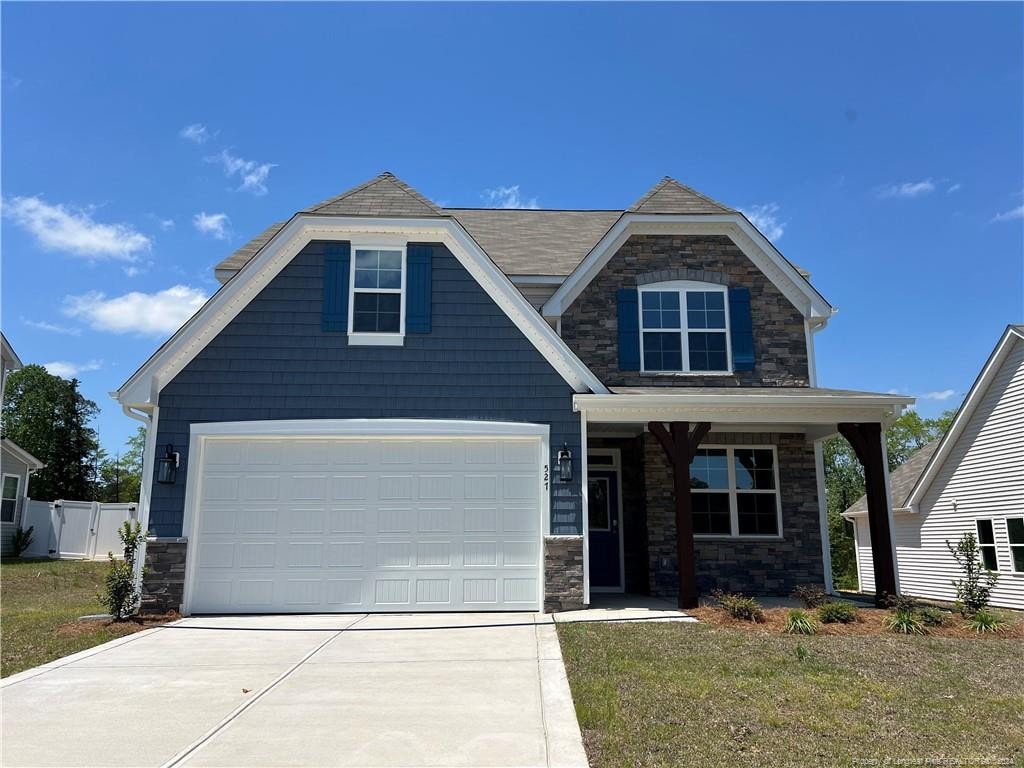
{"x":878,"y":145}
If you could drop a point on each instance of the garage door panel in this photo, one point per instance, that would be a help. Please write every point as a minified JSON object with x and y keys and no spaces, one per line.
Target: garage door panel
{"x":420,"y":525}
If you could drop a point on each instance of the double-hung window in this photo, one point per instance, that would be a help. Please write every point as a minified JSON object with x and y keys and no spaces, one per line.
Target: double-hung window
{"x":987,"y":544}
{"x":9,"y":503}
{"x":1015,"y":532}
{"x":735,"y":492}
{"x":378,"y":295}
{"x":684,"y":328}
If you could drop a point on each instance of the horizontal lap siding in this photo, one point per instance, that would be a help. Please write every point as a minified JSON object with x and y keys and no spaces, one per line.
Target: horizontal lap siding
{"x":274,"y":361}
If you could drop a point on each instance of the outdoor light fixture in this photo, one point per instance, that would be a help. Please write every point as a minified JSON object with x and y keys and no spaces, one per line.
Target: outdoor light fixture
{"x":565,"y":464}
{"x":167,"y":467}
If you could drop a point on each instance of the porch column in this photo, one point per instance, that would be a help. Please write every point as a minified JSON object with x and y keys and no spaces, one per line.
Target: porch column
{"x":866,"y":441}
{"x":680,"y":444}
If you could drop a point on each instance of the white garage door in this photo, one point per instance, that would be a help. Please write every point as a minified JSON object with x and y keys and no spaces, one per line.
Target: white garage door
{"x":297,"y":524}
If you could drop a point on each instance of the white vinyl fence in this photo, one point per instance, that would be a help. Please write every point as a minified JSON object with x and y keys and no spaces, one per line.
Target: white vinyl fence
{"x":75,"y":530}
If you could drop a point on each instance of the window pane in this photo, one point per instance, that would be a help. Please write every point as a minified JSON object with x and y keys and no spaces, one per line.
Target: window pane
{"x":985,"y":535}
{"x":1017,"y":555}
{"x":714,"y":300}
{"x":378,"y":269}
{"x":652,"y":318}
{"x":1014,"y":527}
{"x":390,"y":260}
{"x":705,"y":309}
{"x":660,"y":309}
{"x":389,"y":278}
{"x":7,"y":507}
{"x":711,"y":513}
{"x":597,"y":504}
{"x":669,"y":300}
{"x":663,"y":352}
{"x":754,"y":469}
{"x":710,"y":469}
{"x":366,"y":278}
{"x":10,"y":487}
{"x":376,"y":313}
{"x":650,"y":300}
{"x":988,"y":557}
{"x":757,"y":514}
{"x":367,"y":259}
{"x":707,"y":352}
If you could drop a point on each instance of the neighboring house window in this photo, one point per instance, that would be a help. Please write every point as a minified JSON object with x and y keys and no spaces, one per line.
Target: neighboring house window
{"x":684,"y":328}
{"x":987,"y":545}
{"x":9,"y":504}
{"x":1015,"y":530}
{"x":378,"y":296}
{"x":735,"y":492}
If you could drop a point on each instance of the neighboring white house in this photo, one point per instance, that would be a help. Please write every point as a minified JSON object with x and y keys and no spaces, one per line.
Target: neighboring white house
{"x":972,"y":480}
{"x":16,"y":464}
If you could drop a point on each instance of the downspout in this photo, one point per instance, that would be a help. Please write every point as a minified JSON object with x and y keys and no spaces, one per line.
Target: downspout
{"x":145,"y":485}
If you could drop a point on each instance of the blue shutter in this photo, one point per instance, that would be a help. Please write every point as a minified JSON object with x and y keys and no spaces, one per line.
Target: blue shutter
{"x":741,"y":327}
{"x":418,"y":261}
{"x":629,"y":330}
{"x":337,"y":260}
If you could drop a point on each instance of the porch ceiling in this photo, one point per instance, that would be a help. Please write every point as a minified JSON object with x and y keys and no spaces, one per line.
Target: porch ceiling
{"x":812,"y":410}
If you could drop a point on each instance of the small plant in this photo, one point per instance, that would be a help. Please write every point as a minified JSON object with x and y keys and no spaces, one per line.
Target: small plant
{"x":974,"y":589}
{"x":837,"y":613}
{"x":799,"y":622}
{"x":900,"y":603}
{"x":932,"y":617}
{"x":739,"y":606}
{"x":122,"y":593}
{"x":983,"y":621}
{"x":21,"y":539}
{"x":801,"y":652}
{"x":905,"y":623}
{"x":811,"y":595}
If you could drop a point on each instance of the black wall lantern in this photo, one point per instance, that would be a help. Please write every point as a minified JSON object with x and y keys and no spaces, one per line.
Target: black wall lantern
{"x":565,"y":464}
{"x":167,"y":467}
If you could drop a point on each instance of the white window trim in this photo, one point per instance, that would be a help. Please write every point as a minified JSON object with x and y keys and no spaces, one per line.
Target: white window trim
{"x":994,"y":545}
{"x":734,"y":516}
{"x":1006,"y":521}
{"x":17,"y":495}
{"x":376,"y":338}
{"x":681,"y":287}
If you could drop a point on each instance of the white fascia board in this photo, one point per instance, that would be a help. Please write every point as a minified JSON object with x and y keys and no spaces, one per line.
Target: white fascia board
{"x":21,"y":454}
{"x":144,"y":386}
{"x":977,"y":392}
{"x":754,"y":245}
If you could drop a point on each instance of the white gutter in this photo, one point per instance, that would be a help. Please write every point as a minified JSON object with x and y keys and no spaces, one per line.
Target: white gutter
{"x":145,"y":484}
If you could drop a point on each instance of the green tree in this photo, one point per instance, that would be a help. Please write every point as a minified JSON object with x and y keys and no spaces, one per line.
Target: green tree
{"x":844,"y":482}
{"x":119,"y":478}
{"x":48,"y":417}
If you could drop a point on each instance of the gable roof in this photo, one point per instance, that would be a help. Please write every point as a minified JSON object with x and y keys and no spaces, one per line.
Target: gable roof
{"x":21,"y":454}
{"x":669,"y":196}
{"x":901,"y":480}
{"x":383,"y":195}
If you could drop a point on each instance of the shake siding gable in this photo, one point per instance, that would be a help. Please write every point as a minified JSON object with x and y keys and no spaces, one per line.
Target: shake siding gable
{"x":982,"y":477}
{"x":274,"y":361}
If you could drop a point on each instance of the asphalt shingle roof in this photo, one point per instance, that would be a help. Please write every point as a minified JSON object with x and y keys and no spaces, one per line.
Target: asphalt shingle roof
{"x":902,"y":479}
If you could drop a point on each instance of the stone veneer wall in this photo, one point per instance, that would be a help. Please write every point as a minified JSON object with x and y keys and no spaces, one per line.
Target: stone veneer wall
{"x":563,"y":573}
{"x":163,"y":581}
{"x":590,"y":326}
{"x":753,"y":567}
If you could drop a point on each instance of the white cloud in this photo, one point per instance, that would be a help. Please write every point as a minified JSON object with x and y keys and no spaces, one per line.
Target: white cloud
{"x":213,"y":224}
{"x":68,"y":370}
{"x":197,"y":132}
{"x":59,"y":228}
{"x":953,"y":188}
{"x":166,"y":224}
{"x":1014,"y":214}
{"x":765,"y":218}
{"x":941,"y":395}
{"x":43,"y":325}
{"x":252,"y":174}
{"x":908,"y":189}
{"x":144,"y":314}
{"x":508,"y":197}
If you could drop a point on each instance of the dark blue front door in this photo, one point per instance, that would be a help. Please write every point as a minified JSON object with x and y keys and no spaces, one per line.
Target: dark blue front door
{"x":603,"y":519}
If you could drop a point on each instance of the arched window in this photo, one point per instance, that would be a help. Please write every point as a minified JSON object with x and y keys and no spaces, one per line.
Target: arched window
{"x":684,"y":328}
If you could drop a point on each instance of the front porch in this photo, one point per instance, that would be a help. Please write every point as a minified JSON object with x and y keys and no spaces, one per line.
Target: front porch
{"x":688,"y":490}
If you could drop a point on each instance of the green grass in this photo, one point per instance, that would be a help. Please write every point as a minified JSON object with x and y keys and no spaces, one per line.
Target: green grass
{"x":38,"y":600}
{"x":698,"y":695}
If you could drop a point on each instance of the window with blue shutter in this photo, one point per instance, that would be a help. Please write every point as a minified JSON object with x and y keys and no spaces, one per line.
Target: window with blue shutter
{"x":337,"y":262}
{"x":741,"y":327}
{"x":419,"y":265}
{"x":628,"y":317}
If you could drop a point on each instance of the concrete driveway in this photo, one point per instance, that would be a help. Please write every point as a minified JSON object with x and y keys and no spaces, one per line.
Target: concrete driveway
{"x":353,"y":690}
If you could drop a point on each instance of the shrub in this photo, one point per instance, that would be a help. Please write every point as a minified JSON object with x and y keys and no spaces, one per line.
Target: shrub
{"x":900,"y":603}
{"x":905,"y":623}
{"x":837,"y":613}
{"x":932,"y":617}
{"x":974,"y":589}
{"x":811,"y":595}
{"x":983,"y":621}
{"x":21,"y":539}
{"x":799,"y":623}
{"x":122,"y":593}
{"x":739,"y":606}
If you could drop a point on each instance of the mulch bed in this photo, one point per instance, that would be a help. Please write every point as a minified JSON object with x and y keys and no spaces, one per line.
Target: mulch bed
{"x":870,"y":623}
{"x":127,"y":627}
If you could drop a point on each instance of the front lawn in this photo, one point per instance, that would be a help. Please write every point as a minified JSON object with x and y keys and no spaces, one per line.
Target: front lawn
{"x":40,"y":602}
{"x":699,"y":695}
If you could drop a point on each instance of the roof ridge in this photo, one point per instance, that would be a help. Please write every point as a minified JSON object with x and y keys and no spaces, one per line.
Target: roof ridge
{"x":667,"y":181}
{"x":380,"y":178}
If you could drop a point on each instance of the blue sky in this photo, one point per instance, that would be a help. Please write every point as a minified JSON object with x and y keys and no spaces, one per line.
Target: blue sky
{"x":879,"y":145}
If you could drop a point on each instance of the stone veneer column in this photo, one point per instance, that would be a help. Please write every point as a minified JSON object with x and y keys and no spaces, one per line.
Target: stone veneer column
{"x":163,"y":581}
{"x":563,"y":573}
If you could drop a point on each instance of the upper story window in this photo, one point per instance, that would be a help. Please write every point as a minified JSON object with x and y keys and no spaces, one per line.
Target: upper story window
{"x":378,"y":296}
{"x":684,"y":328}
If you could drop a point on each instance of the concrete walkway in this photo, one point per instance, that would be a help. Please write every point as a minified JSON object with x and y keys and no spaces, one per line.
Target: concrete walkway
{"x":335,"y":690}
